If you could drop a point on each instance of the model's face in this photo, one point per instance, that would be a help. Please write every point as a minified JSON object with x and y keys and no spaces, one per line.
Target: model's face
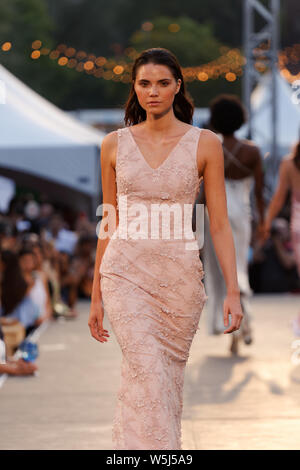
{"x":155,"y":87}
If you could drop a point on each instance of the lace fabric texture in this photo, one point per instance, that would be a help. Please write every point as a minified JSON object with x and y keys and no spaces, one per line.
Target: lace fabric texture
{"x":153,"y":295}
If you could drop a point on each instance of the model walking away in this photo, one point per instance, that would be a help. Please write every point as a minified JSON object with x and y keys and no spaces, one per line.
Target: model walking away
{"x":242,"y":168}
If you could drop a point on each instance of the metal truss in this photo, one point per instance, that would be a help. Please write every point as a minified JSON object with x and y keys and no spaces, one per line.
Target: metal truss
{"x":261,"y":47}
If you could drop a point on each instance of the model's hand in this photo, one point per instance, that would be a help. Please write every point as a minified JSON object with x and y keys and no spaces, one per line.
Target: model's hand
{"x":266,"y":231}
{"x":232,"y":306}
{"x":96,"y":323}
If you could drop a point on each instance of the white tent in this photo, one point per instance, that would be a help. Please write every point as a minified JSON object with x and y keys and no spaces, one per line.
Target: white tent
{"x":45,"y":148}
{"x":288,"y":112}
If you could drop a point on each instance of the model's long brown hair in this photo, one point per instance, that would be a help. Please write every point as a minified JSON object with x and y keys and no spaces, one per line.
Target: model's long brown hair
{"x":183,"y":106}
{"x":296,"y":158}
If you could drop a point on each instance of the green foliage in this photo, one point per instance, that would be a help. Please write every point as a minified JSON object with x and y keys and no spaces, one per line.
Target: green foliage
{"x":22,"y":22}
{"x":107,"y":28}
{"x":194,"y":43}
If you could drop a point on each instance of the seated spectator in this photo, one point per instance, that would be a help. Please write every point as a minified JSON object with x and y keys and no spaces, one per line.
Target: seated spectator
{"x":11,"y":366}
{"x":14,"y":333}
{"x":31,"y":215}
{"x":18,"y":367}
{"x":46,"y":211}
{"x":42,"y":285}
{"x":50,"y":268}
{"x":273,"y":265}
{"x":83,"y":261}
{"x":70,"y":275}
{"x":30,"y":260}
{"x":15,"y":299}
{"x":8,"y":235}
{"x":83,"y":226}
{"x":63,"y":239}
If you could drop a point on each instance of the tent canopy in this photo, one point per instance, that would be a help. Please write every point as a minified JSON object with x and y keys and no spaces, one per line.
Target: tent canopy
{"x":39,"y":139}
{"x":288,"y":115}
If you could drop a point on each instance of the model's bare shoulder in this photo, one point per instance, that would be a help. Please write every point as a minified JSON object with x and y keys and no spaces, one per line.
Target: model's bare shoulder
{"x":249,"y":142}
{"x":252,"y":153}
{"x":251,"y":146}
{"x":287,"y":165}
{"x":109,"y":148}
{"x":209,"y":150}
{"x":209,"y":144}
{"x":110,"y":139}
{"x":288,"y":158}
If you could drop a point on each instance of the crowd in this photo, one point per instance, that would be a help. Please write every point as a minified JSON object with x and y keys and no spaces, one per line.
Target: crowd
{"x":272,"y":264}
{"x":46,"y":264}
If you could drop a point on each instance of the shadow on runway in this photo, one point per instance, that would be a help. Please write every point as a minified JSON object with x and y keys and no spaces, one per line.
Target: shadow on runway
{"x":208,"y":382}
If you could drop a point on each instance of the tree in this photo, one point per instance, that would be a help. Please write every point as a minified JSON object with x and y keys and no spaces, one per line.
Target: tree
{"x":193,"y":44}
{"x":21,"y":23}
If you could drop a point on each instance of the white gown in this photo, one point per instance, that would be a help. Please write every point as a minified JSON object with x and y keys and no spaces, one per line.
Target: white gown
{"x":239,"y":213}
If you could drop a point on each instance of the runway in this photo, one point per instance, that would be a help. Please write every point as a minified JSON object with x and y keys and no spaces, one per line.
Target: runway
{"x":250,"y":402}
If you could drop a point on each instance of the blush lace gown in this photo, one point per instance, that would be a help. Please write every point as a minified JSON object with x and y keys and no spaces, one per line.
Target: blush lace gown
{"x":152,"y":293}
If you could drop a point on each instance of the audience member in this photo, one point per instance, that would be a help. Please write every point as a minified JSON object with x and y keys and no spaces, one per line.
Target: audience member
{"x":273,"y":267}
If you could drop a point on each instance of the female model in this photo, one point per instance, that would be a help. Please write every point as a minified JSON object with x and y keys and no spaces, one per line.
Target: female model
{"x":289,"y":179}
{"x":243,"y":166}
{"x":151,"y":286}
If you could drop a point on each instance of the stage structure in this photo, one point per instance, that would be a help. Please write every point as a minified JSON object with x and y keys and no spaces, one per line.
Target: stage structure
{"x":260,"y":49}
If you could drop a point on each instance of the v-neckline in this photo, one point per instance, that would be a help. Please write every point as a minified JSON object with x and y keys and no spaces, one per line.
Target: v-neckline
{"x":169,"y":155}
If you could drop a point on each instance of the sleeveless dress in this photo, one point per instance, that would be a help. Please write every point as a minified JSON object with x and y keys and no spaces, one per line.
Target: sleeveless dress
{"x":239,"y":214}
{"x":152,"y":292}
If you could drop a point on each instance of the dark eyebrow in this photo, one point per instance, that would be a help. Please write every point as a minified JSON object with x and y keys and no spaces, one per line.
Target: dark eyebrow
{"x":145,"y":80}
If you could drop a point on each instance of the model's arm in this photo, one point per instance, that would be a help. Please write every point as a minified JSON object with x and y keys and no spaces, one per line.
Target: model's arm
{"x":211,"y":153}
{"x":109,"y":191}
{"x":279,"y":196}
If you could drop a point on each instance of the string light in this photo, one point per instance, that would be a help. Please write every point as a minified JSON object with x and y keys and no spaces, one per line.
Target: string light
{"x":36,"y":44}
{"x":35,"y":55}
{"x":63,"y":61}
{"x":54,"y":54}
{"x":45,"y":51}
{"x":118,"y":69}
{"x":173,"y":27}
{"x":147,"y":26}
{"x":230,"y":76}
{"x":229,"y":65}
{"x":88,"y":65}
{"x":6,"y":46}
